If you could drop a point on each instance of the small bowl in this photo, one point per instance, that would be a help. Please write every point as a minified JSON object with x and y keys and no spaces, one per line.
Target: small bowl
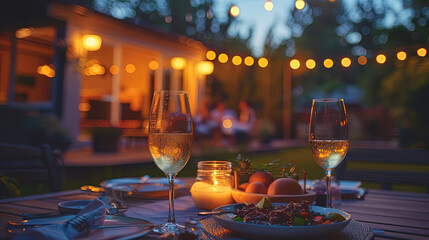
{"x":73,"y":206}
{"x":240,"y":196}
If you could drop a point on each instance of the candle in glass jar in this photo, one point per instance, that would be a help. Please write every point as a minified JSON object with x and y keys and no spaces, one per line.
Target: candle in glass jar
{"x":210,"y":196}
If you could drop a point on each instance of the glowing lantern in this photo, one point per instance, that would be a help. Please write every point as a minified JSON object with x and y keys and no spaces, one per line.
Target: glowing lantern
{"x":263,"y":62}
{"x":328,"y":63}
{"x":91,"y":42}
{"x":205,"y":67}
{"x":346,"y":62}
{"x":294,"y":64}
{"x":210,"y":55}
{"x":299,"y":4}
{"x":422,"y":52}
{"x":310,"y":64}
{"x":236,"y":60}
{"x":178,"y":63}
{"x":249,"y":61}
{"x":362,"y":60}
{"x":381,"y":58}
{"x":223,"y":58}
{"x":268,"y":6}
{"x":153,"y":65}
{"x":234,"y":11}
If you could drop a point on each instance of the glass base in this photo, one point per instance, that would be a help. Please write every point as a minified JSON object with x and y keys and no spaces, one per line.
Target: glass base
{"x":168,"y":228}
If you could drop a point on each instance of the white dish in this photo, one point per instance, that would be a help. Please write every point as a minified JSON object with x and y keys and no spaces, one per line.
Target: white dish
{"x":275,"y":231}
{"x":73,"y":206}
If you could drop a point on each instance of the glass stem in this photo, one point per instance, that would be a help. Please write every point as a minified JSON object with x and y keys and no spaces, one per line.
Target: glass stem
{"x":171,"y":218}
{"x":328,"y":188}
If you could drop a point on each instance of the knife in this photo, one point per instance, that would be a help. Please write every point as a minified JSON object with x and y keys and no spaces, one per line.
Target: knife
{"x":12,"y":225}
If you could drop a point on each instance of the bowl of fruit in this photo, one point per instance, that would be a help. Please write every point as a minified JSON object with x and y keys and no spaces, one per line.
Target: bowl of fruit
{"x":254,"y":182}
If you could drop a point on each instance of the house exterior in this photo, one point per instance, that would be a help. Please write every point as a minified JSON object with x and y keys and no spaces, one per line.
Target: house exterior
{"x":50,"y":61}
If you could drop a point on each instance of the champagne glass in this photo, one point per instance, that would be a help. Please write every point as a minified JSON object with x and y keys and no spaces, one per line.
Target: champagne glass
{"x":170,"y":141}
{"x":328,"y":136}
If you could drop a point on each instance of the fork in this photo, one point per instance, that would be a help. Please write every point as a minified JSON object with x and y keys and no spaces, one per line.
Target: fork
{"x":79,"y":223}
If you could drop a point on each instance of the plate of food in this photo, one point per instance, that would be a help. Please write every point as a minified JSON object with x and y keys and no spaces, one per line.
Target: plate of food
{"x":281,"y":220}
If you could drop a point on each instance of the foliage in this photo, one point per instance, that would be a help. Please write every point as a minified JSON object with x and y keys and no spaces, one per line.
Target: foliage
{"x":245,"y":167}
{"x":8,"y":187}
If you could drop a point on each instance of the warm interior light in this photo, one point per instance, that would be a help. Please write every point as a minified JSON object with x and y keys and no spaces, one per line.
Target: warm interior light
{"x":381,"y":58}
{"x":236,"y":60}
{"x":178,"y":63}
{"x":299,"y":4}
{"x":422,"y":52}
{"x":362,"y":60}
{"x":223,"y":58}
{"x":234,"y":11}
{"x":346,"y":62}
{"x":401,"y":55}
{"x":84,"y":107}
{"x":310,"y":64}
{"x":130,"y":68}
{"x":328,"y":63}
{"x":114,"y":69}
{"x":268,"y":6}
{"x":91,"y":42}
{"x":263,"y":62}
{"x":205,"y":67}
{"x":153,"y":65}
{"x":23,"y":32}
{"x":249,"y":61}
{"x":294,"y":64}
{"x":46,"y":70}
{"x":210,"y":55}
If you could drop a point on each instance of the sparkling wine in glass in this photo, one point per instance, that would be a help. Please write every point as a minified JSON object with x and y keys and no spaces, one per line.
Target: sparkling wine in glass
{"x":170,"y":141}
{"x":328,"y":136}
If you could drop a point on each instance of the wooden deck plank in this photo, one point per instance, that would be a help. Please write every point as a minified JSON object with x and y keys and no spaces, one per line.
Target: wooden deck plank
{"x":411,"y":232}
{"x":395,"y":214}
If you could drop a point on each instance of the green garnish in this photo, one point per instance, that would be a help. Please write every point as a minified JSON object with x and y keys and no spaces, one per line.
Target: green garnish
{"x":238,"y":218}
{"x":298,"y":221}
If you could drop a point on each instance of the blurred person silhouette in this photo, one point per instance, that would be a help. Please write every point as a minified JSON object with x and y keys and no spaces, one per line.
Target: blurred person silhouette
{"x":245,"y":124}
{"x":223,"y":118}
{"x":204,"y":125}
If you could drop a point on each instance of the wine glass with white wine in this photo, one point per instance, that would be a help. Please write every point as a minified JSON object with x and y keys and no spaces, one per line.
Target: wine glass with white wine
{"x":170,"y":141}
{"x":328,"y":136}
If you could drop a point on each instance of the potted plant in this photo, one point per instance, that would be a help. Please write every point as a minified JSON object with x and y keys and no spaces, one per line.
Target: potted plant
{"x":105,"y":139}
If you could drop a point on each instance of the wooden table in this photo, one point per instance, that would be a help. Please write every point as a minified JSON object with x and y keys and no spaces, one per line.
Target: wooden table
{"x":395,"y":215}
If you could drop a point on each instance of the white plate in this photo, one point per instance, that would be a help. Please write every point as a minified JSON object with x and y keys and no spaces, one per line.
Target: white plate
{"x":275,"y":231}
{"x":152,"y":188}
{"x":73,"y":206}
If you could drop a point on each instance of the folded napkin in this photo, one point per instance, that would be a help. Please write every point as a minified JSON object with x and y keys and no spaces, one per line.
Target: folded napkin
{"x":95,"y":212}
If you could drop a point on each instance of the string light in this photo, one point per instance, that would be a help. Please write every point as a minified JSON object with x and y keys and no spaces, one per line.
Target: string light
{"x":114,"y":69}
{"x":299,"y":4}
{"x":236,"y":60}
{"x":422,"y":52}
{"x":249,"y":61}
{"x":223,"y":58}
{"x":153,"y":65}
{"x":263,"y":62}
{"x":328,"y":63}
{"x":310,"y":64}
{"x":234,"y":11}
{"x":401,"y":55}
{"x":381,"y":58}
{"x":295,"y":64}
{"x":268,"y":6}
{"x":362,"y":60}
{"x":210,"y":55}
{"x":130,"y":68}
{"x":346,"y":62}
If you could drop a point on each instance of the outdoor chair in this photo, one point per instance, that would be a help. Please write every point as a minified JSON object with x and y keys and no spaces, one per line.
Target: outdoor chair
{"x":386,"y":166}
{"x":30,"y":164}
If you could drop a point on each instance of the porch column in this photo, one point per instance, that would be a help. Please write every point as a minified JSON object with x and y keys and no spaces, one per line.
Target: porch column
{"x":115,"y":106}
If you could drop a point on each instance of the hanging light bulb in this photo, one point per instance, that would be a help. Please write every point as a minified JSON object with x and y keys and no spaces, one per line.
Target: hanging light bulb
{"x":299,"y":4}
{"x":268,"y":5}
{"x":234,"y":11}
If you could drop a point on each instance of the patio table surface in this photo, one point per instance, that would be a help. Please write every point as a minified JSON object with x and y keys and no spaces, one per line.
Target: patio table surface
{"x":396,"y":215}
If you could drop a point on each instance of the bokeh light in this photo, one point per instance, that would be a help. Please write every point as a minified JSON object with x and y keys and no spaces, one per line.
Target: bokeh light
{"x":401,"y":55}
{"x":114,"y":69}
{"x":91,"y":42}
{"x":223,"y":58}
{"x":205,"y":67}
{"x":263,"y":62}
{"x":227,"y":123}
{"x":362,"y":60}
{"x":299,"y":4}
{"x":234,"y":11}
{"x":249,"y":61}
{"x":310,"y":64}
{"x":346,"y":62}
{"x":294,"y":64}
{"x":236,"y":60}
{"x":130,"y":68}
{"x":268,"y":6}
{"x":210,"y":55}
{"x":422,"y":52}
{"x":178,"y":63}
{"x":381,"y":58}
{"x":328,"y":63}
{"x":153,"y":65}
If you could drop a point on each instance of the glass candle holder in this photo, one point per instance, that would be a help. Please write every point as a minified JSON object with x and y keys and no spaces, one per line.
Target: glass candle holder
{"x":213,"y":185}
